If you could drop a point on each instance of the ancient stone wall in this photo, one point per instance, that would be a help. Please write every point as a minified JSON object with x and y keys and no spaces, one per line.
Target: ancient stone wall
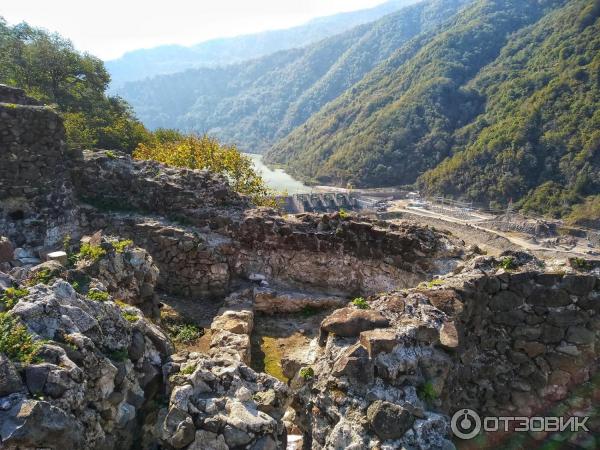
{"x":14,"y":95}
{"x":191,"y":263}
{"x":526,"y":340}
{"x":501,"y":343}
{"x":340,"y":255}
{"x":346,"y":258}
{"x":35,"y":201}
{"x":113,"y":181}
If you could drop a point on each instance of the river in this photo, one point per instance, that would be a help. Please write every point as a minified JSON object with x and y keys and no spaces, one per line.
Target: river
{"x":277,"y":179}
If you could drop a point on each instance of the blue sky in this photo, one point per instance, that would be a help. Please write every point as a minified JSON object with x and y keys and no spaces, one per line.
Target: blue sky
{"x":111,"y":27}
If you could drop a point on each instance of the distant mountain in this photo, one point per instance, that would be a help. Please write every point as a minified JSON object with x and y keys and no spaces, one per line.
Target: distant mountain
{"x":143,"y":63}
{"x":500,"y":103}
{"x":255,"y":103}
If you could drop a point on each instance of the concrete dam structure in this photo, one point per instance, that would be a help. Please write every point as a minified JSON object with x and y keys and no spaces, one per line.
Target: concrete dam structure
{"x":320,"y":202}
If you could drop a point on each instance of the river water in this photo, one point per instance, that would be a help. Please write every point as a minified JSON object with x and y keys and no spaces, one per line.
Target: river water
{"x":277,"y":179}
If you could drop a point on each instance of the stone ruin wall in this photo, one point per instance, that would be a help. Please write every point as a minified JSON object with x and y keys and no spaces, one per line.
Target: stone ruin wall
{"x":502,"y":344}
{"x":35,"y":199}
{"x":526,"y":341}
{"x":201,"y":234}
{"x":202,"y":262}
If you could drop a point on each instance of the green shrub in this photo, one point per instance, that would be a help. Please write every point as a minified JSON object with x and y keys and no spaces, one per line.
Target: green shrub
{"x":508,"y":263}
{"x":97,"y":295}
{"x":427,"y":392}
{"x":43,"y":276}
{"x":307,"y":373}
{"x":188,"y":370}
{"x":360,"y":303}
{"x":110,"y":154}
{"x":203,"y":152}
{"x":15,"y":340}
{"x":122,"y":245}
{"x":12,"y":296}
{"x":185,"y":333}
{"x":580,"y":264}
{"x":130,"y":317}
{"x":91,"y":252}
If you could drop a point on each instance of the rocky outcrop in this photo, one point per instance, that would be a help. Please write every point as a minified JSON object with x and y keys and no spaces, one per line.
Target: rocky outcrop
{"x":220,"y":403}
{"x":128,"y":273}
{"x":501,"y":343}
{"x":96,"y":369}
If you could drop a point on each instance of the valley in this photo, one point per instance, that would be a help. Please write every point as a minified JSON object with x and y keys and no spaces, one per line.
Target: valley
{"x":376,"y":106}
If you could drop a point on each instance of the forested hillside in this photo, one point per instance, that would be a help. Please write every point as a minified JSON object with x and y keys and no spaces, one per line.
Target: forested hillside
{"x":144,"y":63}
{"x":254,"y":103}
{"x":539,"y":136}
{"x":49,"y":69}
{"x":501,"y":104}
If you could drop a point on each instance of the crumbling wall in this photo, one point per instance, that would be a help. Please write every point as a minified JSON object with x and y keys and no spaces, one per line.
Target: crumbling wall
{"x":526,"y":340}
{"x":500,"y":343}
{"x":113,"y":181}
{"x":36,"y":205}
{"x":340,"y":255}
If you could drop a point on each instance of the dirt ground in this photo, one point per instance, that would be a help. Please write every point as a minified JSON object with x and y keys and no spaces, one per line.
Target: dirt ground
{"x":492,"y":242}
{"x":284,"y":336}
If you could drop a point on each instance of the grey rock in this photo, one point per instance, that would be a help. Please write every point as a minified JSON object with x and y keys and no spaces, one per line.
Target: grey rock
{"x":38,"y":424}
{"x":10,"y":381}
{"x":388,"y":420}
{"x":505,"y":301}
{"x":235,"y":437}
{"x":580,"y":335}
{"x":349,"y":322}
{"x":137,"y":347}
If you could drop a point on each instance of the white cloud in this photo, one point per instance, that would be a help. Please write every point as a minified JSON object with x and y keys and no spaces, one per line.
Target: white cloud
{"x":109,"y":28}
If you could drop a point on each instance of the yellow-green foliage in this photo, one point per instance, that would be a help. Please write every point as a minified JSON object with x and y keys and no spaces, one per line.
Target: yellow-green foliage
{"x":508,"y":263}
{"x":188,"y":370}
{"x":307,"y":373}
{"x":204,"y":152}
{"x":15,"y":340}
{"x":91,"y":252}
{"x":120,"y":246}
{"x":130,"y":317}
{"x":586,"y":213}
{"x":97,"y":295}
{"x":43,"y":276}
{"x":184,"y":333}
{"x":360,"y":303}
{"x":430,"y":284}
{"x":11,"y":297}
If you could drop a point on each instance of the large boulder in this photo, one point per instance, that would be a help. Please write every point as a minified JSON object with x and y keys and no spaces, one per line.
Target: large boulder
{"x":350,"y":322}
{"x":29,"y":423}
{"x":388,"y":420}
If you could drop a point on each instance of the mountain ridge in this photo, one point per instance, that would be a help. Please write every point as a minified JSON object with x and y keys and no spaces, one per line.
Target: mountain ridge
{"x":143,"y":63}
{"x":255,"y":103}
